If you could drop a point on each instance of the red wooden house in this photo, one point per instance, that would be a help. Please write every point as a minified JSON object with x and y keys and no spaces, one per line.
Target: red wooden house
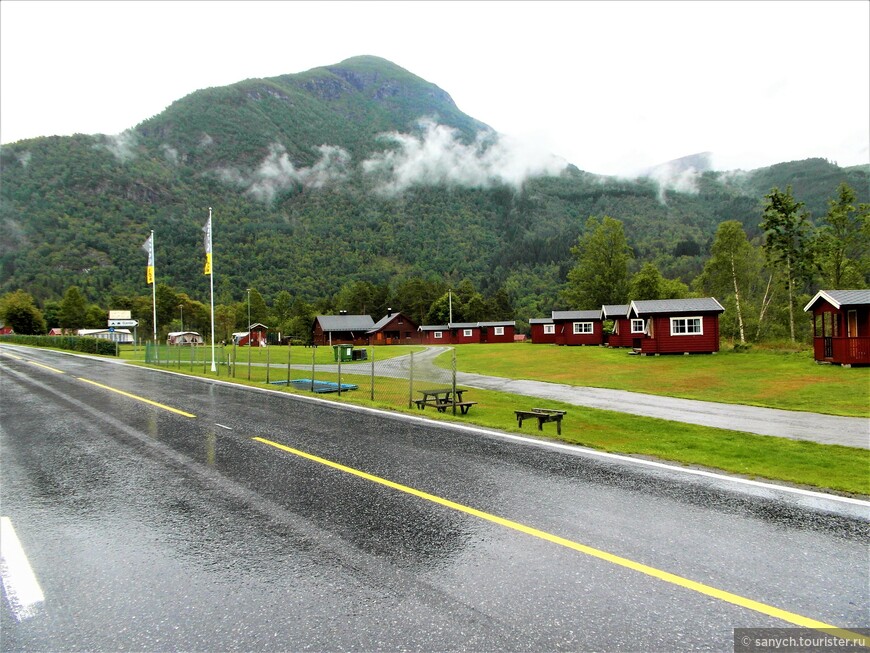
{"x":258,"y":336}
{"x":841,"y":326}
{"x":394,"y":329}
{"x":341,"y":329}
{"x":626,"y":332}
{"x":678,"y":326}
{"x":497,"y":331}
{"x":542,"y":330}
{"x":578,"y":327}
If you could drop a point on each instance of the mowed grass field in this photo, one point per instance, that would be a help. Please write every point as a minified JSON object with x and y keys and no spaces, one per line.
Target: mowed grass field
{"x":773,"y":379}
{"x":787,"y":380}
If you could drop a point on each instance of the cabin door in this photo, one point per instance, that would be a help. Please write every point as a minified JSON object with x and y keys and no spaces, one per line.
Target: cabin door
{"x":852,"y":324}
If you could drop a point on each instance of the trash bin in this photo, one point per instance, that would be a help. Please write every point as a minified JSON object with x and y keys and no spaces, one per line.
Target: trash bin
{"x":343,"y":353}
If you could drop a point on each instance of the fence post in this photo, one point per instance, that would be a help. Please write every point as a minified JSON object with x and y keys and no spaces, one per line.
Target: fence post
{"x":235,"y":357}
{"x":339,"y":376}
{"x":192,"y":354}
{"x":454,"y":381}
{"x":372,"y":384}
{"x":411,"y":381}
{"x":313,"y":354}
{"x":267,"y":363}
{"x":289,"y":359}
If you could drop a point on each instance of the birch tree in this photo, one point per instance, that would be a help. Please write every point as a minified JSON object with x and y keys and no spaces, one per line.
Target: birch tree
{"x":786,"y":236}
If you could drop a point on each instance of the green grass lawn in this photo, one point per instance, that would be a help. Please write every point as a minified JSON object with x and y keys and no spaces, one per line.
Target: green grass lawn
{"x":787,"y":380}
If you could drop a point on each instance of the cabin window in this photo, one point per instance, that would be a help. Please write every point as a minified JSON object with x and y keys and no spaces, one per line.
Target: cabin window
{"x":437,"y":334}
{"x":466,"y":333}
{"x":687,"y":326}
{"x":549,"y":329}
{"x":499,"y":331}
{"x":582,"y":327}
{"x":637,"y":326}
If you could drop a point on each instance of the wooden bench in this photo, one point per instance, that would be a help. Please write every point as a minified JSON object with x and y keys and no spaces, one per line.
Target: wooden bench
{"x":542,"y":415}
{"x":442,"y":406}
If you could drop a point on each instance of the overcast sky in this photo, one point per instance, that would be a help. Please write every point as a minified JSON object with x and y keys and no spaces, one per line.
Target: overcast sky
{"x":613,"y":87}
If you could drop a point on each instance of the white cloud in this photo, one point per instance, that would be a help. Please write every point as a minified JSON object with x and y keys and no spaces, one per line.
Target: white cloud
{"x":439,"y":156}
{"x":276,"y":172}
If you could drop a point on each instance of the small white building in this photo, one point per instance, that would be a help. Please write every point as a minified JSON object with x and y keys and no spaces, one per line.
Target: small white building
{"x":121,"y":336}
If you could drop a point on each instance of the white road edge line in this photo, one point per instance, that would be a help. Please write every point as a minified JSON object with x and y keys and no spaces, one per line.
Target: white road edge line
{"x":19,"y":581}
{"x":228,"y":428}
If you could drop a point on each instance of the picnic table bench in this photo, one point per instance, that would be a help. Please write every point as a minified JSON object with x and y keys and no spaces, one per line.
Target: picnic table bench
{"x":542,"y":415}
{"x":442,"y":399}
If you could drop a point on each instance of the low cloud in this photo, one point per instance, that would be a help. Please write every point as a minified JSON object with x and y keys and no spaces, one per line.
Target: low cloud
{"x":122,"y":146}
{"x":437,"y":156}
{"x":276,"y":173}
{"x":24,"y":158}
{"x":170,"y":153}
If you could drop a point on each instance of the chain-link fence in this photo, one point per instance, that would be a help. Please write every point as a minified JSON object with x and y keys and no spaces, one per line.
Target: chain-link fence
{"x":394,"y":376}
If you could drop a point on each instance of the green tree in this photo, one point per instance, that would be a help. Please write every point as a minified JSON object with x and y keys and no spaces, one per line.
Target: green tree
{"x":601,"y":273}
{"x":730,"y":269}
{"x":842,"y":242}
{"x":19,"y":311}
{"x":646,"y":283}
{"x":786,"y":225}
{"x":73,"y":309}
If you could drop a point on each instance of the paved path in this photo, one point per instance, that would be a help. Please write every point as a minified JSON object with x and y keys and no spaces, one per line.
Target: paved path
{"x":796,"y":425}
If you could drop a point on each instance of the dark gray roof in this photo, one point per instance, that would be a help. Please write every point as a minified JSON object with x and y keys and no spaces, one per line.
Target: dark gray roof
{"x":495,"y":324}
{"x":541,"y":320}
{"x":345,"y":322}
{"x":838,"y":298}
{"x":386,"y":319}
{"x":434,"y":327}
{"x":463,"y":325}
{"x":577,"y":315}
{"x":614,"y":310}
{"x":664,"y":306}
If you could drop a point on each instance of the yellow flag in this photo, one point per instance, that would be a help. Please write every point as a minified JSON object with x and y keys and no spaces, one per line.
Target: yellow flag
{"x":149,"y":247}
{"x":207,"y":230}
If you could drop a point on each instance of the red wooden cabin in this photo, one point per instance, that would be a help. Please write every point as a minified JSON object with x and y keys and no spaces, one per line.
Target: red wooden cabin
{"x":578,"y":327}
{"x":678,"y":326}
{"x":841,"y":326}
{"x":626,"y":332}
{"x":258,"y":335}
{"x":543,"y":330}
{"x":394,"y":329}
{"x":497,"y":331}
{"x":342,"y":329}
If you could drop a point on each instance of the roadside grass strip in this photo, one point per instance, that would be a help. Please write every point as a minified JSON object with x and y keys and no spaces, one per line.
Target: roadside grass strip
{"x":19,"y":582}
{"x":137,"y":398}
{"x":707,"y":590}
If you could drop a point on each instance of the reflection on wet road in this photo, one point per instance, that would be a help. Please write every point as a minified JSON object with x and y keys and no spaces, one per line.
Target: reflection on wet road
{"x":148,"y":529}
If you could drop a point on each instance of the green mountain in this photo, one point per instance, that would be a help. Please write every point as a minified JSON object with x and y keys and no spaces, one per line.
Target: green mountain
{"x":360,"y":171}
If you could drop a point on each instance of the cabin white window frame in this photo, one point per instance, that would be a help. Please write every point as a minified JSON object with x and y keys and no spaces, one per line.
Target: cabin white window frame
{"x":687,"y":326}
{"x":467,"y":333}
{"x":437,"y":334}
{"x":583,"y":328}
{"x":498,"y":331}
{"x":634,"y":326}
{"x":549,"y":329}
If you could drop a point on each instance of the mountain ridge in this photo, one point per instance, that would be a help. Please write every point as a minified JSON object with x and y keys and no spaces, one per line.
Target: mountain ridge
{"x":356,"y":171}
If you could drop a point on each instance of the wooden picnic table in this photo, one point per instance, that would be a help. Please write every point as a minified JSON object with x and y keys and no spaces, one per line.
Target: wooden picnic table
{"x":444,"y":398}
{"x":542,"y":415}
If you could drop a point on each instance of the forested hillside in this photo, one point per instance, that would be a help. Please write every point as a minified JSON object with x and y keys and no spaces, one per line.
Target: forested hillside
{"x":357,"y":172}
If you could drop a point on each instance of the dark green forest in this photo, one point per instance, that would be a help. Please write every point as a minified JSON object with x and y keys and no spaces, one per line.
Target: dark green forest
{"x":361,"y":186}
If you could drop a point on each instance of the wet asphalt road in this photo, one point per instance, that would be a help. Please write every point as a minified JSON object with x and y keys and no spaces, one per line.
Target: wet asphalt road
{"x":151,"y":530}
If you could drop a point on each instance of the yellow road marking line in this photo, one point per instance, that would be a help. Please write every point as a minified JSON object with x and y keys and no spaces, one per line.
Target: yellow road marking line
{"x":46,"y":367}
{"x":668,"y":577}
{"x":137,"y":398}
{"x":6,"y":353}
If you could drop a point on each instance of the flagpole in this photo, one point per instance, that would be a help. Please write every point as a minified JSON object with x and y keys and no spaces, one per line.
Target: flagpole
{"x":153,"y":291}
{"x":211,"y":284}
